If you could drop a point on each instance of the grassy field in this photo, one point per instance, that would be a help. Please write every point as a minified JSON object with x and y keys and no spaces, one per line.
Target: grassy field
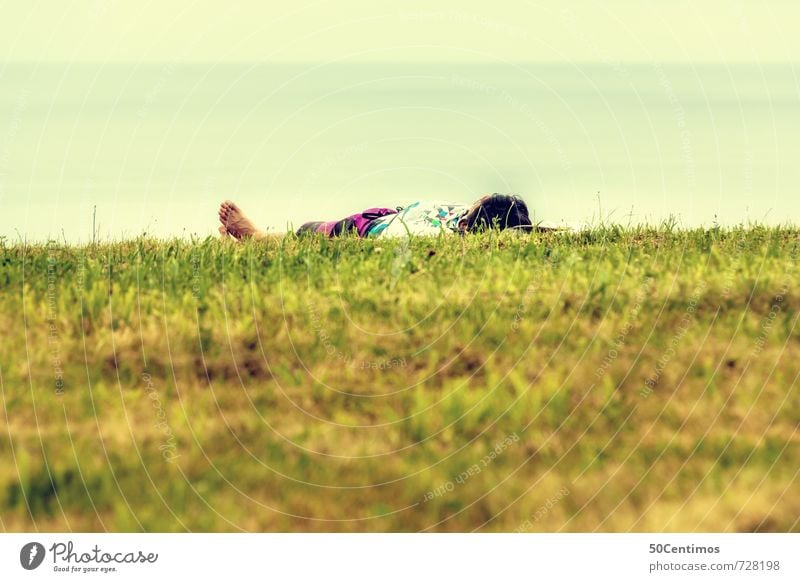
{"x":612,"y":380}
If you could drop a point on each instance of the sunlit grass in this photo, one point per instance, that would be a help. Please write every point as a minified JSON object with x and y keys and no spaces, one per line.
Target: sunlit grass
{"x":317,"y":384}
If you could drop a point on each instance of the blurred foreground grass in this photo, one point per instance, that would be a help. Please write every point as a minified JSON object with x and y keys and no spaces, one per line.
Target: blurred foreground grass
{"x":611,"y":380}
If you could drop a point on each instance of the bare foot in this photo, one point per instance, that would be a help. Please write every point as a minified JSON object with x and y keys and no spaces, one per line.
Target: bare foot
{"x":236,"y":224}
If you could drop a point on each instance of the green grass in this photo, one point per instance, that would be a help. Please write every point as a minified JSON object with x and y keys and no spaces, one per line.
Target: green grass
{"x":611,"y":380}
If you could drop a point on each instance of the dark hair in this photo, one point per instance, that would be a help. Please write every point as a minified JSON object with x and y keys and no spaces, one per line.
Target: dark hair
{"x":500,"y":211}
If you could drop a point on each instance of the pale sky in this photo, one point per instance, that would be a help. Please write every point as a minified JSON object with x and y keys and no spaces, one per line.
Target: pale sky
{"x":515,"y":30}
{"x":685,"y":108}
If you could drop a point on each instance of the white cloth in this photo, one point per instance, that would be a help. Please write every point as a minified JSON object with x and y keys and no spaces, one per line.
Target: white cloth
{"x":420,"y":218}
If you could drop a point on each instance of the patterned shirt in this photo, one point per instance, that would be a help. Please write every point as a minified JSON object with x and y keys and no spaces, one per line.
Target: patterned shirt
{"x":420,"y":218}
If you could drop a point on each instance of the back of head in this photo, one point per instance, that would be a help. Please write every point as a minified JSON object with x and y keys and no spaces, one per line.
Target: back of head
{"x":499,"y":211}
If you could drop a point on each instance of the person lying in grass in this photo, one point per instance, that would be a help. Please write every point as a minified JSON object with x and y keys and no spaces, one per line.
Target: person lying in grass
{"x":498,"y":211}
